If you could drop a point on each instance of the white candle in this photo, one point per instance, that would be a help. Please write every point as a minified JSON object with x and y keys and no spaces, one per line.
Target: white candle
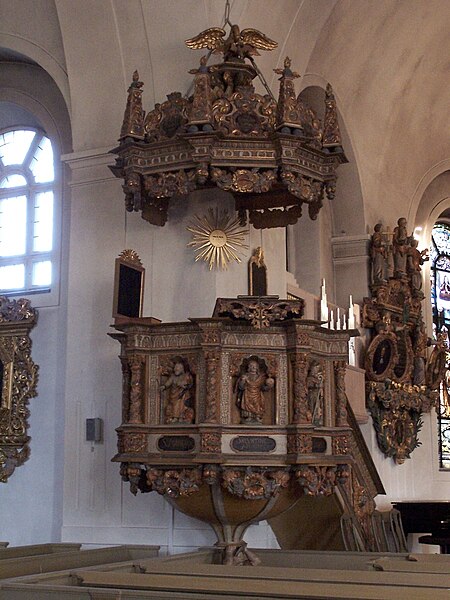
{"x":323,"y":302}
{"x":338,"y":319}
{"x":351,"y":314}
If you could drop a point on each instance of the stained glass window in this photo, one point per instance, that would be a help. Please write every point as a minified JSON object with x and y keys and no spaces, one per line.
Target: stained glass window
{"x":440,"y":299}
{"x":26,"y":211}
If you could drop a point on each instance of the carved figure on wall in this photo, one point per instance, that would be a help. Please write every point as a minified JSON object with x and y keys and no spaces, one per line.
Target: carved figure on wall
{"x":251,"y":386}
{"x":416,"y":259}
{"x":378,"y":255}
{"x":257,"y":274}
{"x":180,"y":397}
{"x":401,"y":246}
{"x":314,"y":383}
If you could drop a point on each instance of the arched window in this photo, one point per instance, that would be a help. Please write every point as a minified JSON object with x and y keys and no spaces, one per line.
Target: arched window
{"x":27,"y":178}
{"x":440,"y":298}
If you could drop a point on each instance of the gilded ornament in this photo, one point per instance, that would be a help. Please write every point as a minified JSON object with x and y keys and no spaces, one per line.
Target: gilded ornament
{"x":217,"y":238}
{"x":316,"y":480}
{"x":228,"y":134}
{"x":18,"y":382}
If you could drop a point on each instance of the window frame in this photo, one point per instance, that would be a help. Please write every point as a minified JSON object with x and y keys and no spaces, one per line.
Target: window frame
{"x":440,"y":321}
{"x":46,"y":295}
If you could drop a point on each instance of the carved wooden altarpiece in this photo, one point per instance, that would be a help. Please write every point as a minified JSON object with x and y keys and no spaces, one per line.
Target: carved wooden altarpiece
{"x":18,"y":379}
{"x":402,"y":381}
{"x":233,"y":418}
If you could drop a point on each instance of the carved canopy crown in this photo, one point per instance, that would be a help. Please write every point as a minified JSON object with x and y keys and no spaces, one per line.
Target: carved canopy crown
{"x":273,"y":155}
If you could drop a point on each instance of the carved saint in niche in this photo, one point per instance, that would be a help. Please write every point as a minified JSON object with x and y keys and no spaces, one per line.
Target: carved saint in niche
{"x":314,"y":384}
{"x":251,"y":386}
{"x":179,"y":391}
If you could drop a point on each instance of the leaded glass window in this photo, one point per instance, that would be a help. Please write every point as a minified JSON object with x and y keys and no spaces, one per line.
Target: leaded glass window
{"x":440,"y":299}
{"x":26,"y":211}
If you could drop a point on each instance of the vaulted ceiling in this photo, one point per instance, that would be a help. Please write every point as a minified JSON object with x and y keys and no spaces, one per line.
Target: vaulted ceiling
{"x":388,"y":62}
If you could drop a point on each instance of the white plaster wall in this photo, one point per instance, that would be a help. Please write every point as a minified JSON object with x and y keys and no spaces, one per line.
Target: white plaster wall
{"x":98,"y":508}
{"x":31,"y":501}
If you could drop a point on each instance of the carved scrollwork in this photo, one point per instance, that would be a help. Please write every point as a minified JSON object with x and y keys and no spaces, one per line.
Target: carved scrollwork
{"x":13,"y":311}
{"x":167,"y":119}
{"x":245,"y":113}
{"x":261,"y":313}
{"x":316,"y":480}
{"x":299,"y":443}
{"x":135,"y":475}
{"x":211,"y":442}
{"x":174,"y":482}
{"x":167,"y":185}
{"x":396,"y":412}
{"x":341,"y":396}
{"x":243,"y":180}
{"x":212,"y":359}
{"x":253,"y":483}
{"x":341,"y":444}
{"x":131,"y":442}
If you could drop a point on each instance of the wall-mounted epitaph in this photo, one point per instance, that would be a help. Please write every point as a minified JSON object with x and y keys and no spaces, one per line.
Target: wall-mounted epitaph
{"x":402,"y":379}
{"x":128,"y":285}
{"x":18,"y":379}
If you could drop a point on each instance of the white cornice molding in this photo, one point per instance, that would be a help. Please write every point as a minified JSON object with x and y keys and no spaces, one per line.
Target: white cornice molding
{"x":89,"y":166}
{"x":350,"y":249}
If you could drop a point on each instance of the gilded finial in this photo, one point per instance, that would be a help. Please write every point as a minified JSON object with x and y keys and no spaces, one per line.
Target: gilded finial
{"x":331,"y":133}
{"x":286,"y":72}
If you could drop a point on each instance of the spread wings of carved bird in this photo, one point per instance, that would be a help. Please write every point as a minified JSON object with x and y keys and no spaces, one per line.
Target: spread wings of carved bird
{"x":239,"y":43}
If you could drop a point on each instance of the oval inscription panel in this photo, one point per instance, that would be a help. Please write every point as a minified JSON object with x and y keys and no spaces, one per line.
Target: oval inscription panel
{"x":253,"y":443}
{"x":176,"y":443}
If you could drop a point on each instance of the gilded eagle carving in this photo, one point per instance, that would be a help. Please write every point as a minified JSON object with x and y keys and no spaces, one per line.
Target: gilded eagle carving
{"x":238,"y":45}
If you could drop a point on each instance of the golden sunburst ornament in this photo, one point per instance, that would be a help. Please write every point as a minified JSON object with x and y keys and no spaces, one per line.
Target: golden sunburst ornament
{"x":217,"y":238}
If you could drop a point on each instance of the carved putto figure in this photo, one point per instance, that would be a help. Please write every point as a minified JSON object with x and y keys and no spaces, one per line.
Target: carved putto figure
{"x":179,"y":386}
{"x":251,"y":386}
{"x":314,"y":383}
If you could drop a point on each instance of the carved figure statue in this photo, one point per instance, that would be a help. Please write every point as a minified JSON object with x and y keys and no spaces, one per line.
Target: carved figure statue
{"x":179,"y":385}
{"x":257,"y":274}
{"x":314,"y":383}
{"x":416,"y":259}
{"x":378,"y":255}
{"x":251,"y":387}
{"x":401,"y":246}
